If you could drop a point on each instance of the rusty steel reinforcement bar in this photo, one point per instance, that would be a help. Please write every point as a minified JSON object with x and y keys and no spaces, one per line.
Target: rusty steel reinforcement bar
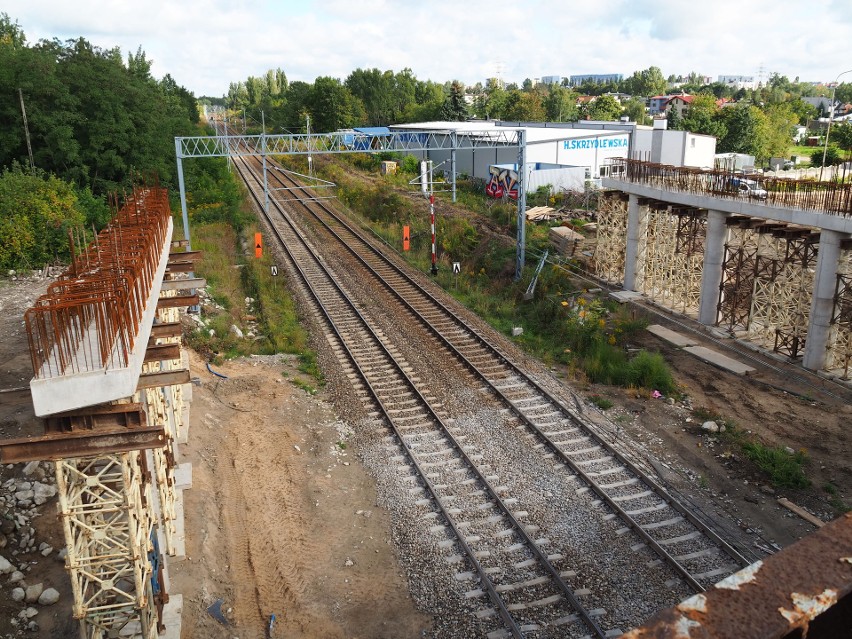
{"x":834,"y":197}
{"x":804,"y":590}
{"x":88,"y":319}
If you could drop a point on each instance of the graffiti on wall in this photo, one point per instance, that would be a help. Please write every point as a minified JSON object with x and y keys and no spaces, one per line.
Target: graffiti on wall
{"x":502,"y":183}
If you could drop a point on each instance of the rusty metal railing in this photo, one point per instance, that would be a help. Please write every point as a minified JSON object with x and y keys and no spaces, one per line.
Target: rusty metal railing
{"x":89,"y":318}
{"x":832,"y":197}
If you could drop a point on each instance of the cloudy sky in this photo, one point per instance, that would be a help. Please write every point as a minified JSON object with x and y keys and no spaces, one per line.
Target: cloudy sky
{"x":206,"y":45}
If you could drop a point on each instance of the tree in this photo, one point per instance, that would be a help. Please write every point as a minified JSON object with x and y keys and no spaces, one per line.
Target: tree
{"x":779,"y":128}
{"x":523,"y":107}
{"x":455,"y":107}
{"x":36,"y":212}
{"x":139,"y":65}
{"x":673,"y":120}
{"x":604,"y":107}
{"x":635,"y":109}
{"x":375,"y":90}
{"x":495,"y":104}
{"x":745,"y":131}
{"x":703,"y":116}
{"x":333,"y":106}
{"x":647,"y":83}
{"x":842,"y":136}
{"x":527,"y":85}
{"x":11,"y":34}
{"x":560,"y":104}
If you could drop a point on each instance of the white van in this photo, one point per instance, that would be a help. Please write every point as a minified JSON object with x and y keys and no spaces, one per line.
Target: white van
{"x":748,"y":188}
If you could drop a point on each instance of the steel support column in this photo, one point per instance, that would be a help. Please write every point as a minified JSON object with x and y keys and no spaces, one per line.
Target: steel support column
{"x":182,"y":187}
{"x":711,"y":275}
{"x":522,"y":203}
{"x":455,"y":142}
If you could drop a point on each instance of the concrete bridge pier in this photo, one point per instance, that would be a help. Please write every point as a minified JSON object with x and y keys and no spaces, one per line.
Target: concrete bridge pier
{"x":631,"y":253}
{"x":711,"y":274}
{"x":822,"y":302}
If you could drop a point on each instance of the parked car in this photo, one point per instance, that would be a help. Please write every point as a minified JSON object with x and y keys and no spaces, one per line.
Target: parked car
{"x":748,"y":188}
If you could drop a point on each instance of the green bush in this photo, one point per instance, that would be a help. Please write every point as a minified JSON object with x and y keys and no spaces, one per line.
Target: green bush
{"x":36,"y":214}
{"x":649,"y":370}
{"x":601,"y":402}
{"x":410,"y":164}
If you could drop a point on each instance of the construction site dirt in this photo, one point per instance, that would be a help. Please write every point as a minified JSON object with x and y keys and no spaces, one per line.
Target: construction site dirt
{"x":282,"y":518}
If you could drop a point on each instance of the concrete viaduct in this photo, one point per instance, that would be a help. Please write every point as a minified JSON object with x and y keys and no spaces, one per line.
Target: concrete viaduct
{"x":777,"y":272}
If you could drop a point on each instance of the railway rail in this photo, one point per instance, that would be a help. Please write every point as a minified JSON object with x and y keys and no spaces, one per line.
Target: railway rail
{"x":460,"y":497}
{"x":687,"y":546}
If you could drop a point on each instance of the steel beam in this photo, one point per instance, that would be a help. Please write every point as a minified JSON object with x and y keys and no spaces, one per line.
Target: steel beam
{"x":177,"y":301}
{"x":166,"y":378}
{"x":168,"y":329}
{"x":79,"y":444}
{"x":161,"y":352}
{"x":806,"y":589}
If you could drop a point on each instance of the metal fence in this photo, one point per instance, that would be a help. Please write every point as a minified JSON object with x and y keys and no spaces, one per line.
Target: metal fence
{"x":832,"y":197}
{"x":89,"y":318}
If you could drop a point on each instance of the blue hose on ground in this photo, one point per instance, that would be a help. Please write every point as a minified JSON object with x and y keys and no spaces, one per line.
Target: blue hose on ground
{"x":215,"y":373}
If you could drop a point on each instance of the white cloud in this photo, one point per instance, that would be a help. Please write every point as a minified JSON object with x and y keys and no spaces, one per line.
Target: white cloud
{"x":206,"y":45}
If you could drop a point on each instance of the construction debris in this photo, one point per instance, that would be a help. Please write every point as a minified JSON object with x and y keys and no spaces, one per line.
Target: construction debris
{"x":566,"y":241}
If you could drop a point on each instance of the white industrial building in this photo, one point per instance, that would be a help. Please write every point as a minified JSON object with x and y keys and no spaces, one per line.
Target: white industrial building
{"x":567,"y":155}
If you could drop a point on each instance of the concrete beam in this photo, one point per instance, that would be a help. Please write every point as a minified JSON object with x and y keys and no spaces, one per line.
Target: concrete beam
{"x":814,"y":219}
{"x":67,"y":392}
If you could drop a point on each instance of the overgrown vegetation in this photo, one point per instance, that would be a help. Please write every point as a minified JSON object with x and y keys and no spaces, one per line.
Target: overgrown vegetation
{"x":221,"y":225}
{"x":562,"y":324}
{"x":37,"y":211}
{"x":95,"y":125}
{"x":785,"y":469}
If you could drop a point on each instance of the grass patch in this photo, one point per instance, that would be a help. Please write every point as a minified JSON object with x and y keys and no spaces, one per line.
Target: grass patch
{"x":305,"y":386}
{"x":309,"y":366}
{"x":784,"y":469}
{"x":221,"y":226}
{"x":834,"y":499}
{"x":601,"y":402}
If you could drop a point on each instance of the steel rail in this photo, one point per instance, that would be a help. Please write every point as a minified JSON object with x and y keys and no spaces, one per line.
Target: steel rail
{"x":516,"y":525}
{"x":641,"y":475}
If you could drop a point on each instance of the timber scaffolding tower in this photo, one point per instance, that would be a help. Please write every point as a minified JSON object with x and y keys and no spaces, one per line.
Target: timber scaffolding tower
{"x":111,"y":383}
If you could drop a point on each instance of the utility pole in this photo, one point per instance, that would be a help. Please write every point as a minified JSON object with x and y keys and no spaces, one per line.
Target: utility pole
{"x":310,"y":158}
{"x":26,"y":130}
{"x":434,"y":270}
{"x":263,"y":152}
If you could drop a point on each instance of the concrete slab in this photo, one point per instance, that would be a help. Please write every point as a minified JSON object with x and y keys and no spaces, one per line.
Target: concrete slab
{"x":172,"y":613}
{"x":670,"y":336}
{"x":625,"y":296}
{"x":89,"y":387}
{"x":183,"y":476}
{"x":717,"y":359}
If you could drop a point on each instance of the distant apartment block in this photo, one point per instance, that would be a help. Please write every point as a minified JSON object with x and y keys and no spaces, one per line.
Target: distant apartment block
{"x":551,"y":79}
{"x":738,"y":81}
{"x":598,"y":78}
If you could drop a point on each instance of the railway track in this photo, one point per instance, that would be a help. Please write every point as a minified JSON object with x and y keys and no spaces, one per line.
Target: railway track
{"x":527,"y":593}
{"x":530,"y":595}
